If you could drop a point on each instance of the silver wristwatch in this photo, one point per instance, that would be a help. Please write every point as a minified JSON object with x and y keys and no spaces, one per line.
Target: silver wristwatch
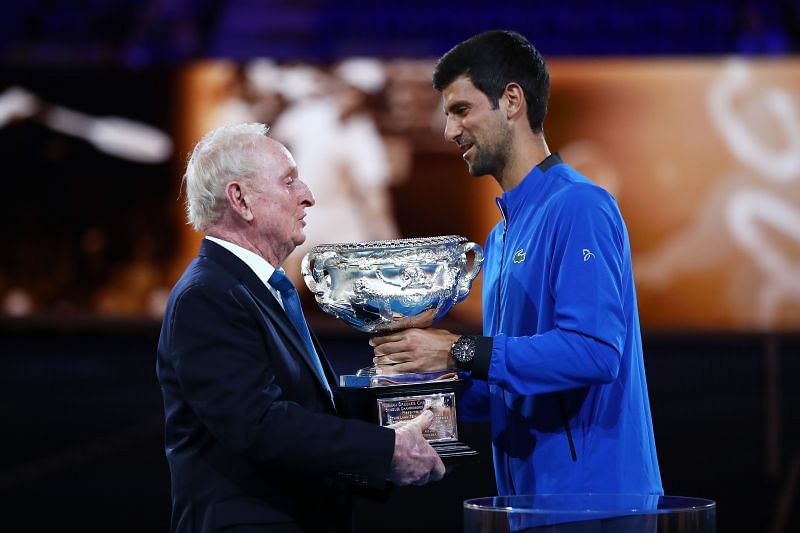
{"x":463,"y":351}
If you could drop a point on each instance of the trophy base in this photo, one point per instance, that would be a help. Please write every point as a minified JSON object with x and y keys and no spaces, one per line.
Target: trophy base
{"x":386,"y":400}
{"x":454,"y":452}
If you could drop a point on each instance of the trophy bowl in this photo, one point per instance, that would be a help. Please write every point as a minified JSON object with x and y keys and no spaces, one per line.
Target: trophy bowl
{"x":381,"y":286}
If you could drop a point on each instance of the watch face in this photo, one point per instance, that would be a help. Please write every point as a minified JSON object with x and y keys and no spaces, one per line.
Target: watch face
{"x":464,"y":349}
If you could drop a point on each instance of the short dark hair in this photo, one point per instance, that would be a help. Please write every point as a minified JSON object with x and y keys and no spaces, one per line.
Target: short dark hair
{"x":492,"y":60}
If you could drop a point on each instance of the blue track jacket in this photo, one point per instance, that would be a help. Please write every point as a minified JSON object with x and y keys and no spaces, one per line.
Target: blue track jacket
{"x":566,"y":389}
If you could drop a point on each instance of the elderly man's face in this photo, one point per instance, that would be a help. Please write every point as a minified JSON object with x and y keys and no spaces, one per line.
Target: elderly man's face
{"x":279,"y":200}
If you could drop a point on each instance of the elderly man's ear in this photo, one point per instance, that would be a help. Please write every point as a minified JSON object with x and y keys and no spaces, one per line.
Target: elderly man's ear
{"x":238,"y":200}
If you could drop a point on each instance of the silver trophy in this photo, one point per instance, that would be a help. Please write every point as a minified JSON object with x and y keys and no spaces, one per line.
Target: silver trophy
{"x":383,"y":286}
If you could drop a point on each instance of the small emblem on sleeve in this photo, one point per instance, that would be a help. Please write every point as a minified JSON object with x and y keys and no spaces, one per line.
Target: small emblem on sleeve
{"x":519,"y":256}
{"x":587,"y":254}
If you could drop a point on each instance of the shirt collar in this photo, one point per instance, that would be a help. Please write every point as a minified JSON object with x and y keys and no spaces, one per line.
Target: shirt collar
{"x":257,"y":264}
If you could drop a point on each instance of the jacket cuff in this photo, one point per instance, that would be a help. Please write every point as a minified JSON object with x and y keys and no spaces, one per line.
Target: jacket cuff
{"x":483,"y":356}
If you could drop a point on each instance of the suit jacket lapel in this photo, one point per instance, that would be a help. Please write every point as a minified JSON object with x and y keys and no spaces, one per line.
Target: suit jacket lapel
{"x":270,"y":305}
{"x":330,"y":372}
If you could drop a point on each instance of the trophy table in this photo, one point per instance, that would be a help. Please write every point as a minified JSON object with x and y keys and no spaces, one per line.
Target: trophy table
{"x":383,"y":286}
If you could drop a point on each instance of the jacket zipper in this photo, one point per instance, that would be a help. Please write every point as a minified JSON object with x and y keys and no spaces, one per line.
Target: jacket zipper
{"x":502,"y":261}
{"x":497,"y":315}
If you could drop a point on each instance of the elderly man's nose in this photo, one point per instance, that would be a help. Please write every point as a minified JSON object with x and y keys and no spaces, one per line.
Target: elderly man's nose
{"x":306,"y":195}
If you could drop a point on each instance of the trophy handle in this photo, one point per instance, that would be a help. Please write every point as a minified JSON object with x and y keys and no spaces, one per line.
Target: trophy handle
{"x":465,"y":280}
{"x":313,"y":269}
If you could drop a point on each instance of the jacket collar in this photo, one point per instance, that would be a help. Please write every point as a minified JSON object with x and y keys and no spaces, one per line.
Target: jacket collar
{"x":531,"y":190}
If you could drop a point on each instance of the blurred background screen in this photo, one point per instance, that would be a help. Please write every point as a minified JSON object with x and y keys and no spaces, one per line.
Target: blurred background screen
{"x":703,"y":156}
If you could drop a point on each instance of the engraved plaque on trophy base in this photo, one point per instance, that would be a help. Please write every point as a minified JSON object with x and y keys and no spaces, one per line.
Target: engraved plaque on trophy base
{"x":389,"y":399}
{"x":443,"y":406}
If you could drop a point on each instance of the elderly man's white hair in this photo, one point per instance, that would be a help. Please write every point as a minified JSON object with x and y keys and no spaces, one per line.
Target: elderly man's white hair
{"x":222,"y":155}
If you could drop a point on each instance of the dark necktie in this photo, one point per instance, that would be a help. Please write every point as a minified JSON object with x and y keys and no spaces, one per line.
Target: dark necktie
{"x":291,"y":304}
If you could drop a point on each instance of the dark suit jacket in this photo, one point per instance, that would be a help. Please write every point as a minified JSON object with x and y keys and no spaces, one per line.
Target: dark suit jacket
{"x":252,"y":437}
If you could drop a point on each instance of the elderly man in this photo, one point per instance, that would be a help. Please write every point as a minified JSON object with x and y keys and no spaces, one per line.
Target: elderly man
{"x":252,"y":436}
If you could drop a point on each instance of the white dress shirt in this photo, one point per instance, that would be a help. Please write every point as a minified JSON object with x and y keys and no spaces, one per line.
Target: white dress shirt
{"x":257,"y":264}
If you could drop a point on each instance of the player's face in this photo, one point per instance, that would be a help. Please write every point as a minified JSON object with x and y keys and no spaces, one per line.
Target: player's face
{"x":479,"y":130}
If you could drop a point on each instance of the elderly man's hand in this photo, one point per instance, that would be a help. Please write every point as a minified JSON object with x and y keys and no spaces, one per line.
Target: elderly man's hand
{"x":414,"y":350}
{"x":415,"y":461}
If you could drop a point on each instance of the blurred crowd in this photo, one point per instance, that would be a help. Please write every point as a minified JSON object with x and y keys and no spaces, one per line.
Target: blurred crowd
{"x":168,"y":32}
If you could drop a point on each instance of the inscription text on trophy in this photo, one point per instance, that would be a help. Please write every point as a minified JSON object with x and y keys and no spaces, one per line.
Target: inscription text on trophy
{"x":443,"y":405}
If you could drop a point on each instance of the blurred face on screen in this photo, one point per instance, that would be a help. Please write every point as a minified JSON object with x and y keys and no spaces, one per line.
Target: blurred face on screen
{"x":480,"y":131}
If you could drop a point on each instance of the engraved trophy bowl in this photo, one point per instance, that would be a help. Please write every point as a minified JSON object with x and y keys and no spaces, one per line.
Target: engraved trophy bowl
{"x":382,"y":286}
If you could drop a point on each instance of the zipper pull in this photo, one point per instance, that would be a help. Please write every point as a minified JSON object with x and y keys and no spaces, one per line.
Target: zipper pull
{"x":502,"y":209}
